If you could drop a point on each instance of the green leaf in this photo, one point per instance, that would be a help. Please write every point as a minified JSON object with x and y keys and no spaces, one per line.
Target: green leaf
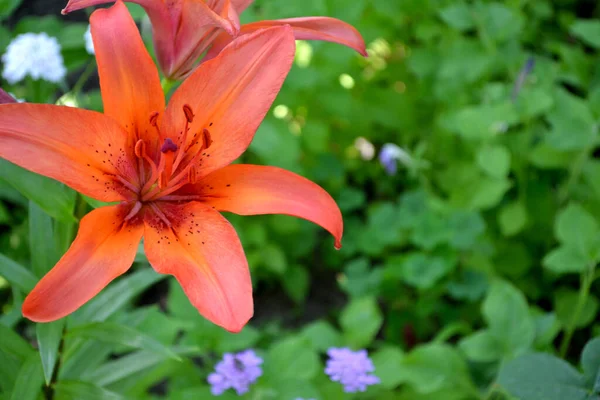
{"x":29,"y":380}
{"x":388,"y":362}
{"x":542,"y":377}
{"x":481,"y":346}
{"x":16,"y":274}
{"x":48,"y":338}
{"x":423,"y":271}
{"x":566,"y":301}
{"x":588,"y":31}
{"x":121,"y":368}
{"x":7,"y":7}
{"x":494,"y":161}
{"x":507,"y":315}
{"x":322,"y":335}
{"x":512,"y":218}
{"x":291,"y":358}
{"x":110,"y":332}
{"x":53,"y":197}
{"x":573,"y":124}
{"x":434,"y":367}
{"x":566,"y":259}
{"x":578,"y":228}
{"x":359,"y":279}
{"x":457,"y":16}
{"x":111,"y":299}
{"x":296,"y":283}
{"x":590,"y":361}
{"x":41,"y":240}
{"x":78,"y":390}
{"x":360,"y":321}
{"x":14,"y":345}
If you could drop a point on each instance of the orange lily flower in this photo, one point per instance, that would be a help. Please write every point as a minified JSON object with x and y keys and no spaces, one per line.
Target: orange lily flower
{"x":184,"y":29}
{"x":168,"y":167}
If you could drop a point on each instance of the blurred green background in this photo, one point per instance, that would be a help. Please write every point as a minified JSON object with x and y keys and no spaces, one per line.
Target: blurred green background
{"x":470,"y":273}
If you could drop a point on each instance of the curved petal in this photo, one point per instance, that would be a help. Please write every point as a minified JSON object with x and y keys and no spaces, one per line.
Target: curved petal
{"x":253,"y":189}
{"x":83,"y":149}
{"x":200,"y":23}
{"x":202,"y":250}
{"x":74,"y":5}
{"x":104,"y":248}
{"x":129,"y":80}
{"x":231,"y":94}
{"x":308,"y":28}
{"x":6,"y":98}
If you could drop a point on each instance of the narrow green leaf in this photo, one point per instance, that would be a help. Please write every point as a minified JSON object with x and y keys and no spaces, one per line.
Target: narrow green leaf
{"x":117,"y":295}
{"x":29,"y":380}
{"x":64,"y":233}
{"x":119,"y":369}
{"x":111,"y":332}
{"x":48,"y":337}
{"x":14,"y":345}
{"x":81,"y":356}
{"x":17,"y":274}
{"x":9,"y":369}
{"x":78,"y":390}
{"x":53,"y":197}
{"x":41,"y":240}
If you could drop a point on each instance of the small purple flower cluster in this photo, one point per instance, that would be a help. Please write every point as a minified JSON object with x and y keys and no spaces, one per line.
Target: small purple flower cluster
{"x":353,"y":369}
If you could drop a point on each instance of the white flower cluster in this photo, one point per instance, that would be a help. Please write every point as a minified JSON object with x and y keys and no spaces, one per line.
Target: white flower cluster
{"x":34,"y":54}
{"x":89,"y":44}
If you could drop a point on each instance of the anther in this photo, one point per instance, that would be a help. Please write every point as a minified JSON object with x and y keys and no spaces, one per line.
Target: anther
{"x":168,"y":146}
{"x":140,"y":149}
{"x":206,"y":139}
{"x":189,"y":114}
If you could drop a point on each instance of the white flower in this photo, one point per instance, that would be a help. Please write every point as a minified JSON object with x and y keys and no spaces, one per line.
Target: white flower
{"x":89,"y":43}
{"x":365,"y":148}
{"x":34,"y":54}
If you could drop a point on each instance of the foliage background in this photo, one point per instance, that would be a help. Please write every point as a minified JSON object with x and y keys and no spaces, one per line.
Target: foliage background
{"x":470,"y":274}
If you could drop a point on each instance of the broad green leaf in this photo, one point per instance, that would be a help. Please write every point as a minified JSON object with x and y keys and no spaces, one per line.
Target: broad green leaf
{"x":578,"y":228}
{"x":507,"y":315}
{"x":388,"y":363}
{"x":512,"y":218}
{"x":494,"y":161}
{"x":360,"y":321}
{"x":79,"y":390}
{"x":42,"y":245}
{"x":111,"y":332}
{"x":359,"y":279}
{"x":16,"y":274}
{"x":566,"y":259}
{"x":458,"y":16}
{"x":423,"y":271}
{"x":53,"y":197}
{"x":573,"y":124}
{"x":590,"y":361}
{"x":111,"y":299}
{"x":322,"y":335}
{"x":565,"y":302}
{"x":121,"y":368}
{"x":434,"y":367}
{"x":481,"y":346}
{"x":499,"y":21}
{"x":466,"y":227}
{"x":48,"y":338}
{"x":542,"y":377}
{"x":588,"y":31}
{"x":29,"y":380}
{"x":291,"y":358}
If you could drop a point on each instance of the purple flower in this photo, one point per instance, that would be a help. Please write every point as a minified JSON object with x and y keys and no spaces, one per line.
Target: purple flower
{"x":350,"y":368}
{"x":237,"y":371}
{"x":390,"y":154}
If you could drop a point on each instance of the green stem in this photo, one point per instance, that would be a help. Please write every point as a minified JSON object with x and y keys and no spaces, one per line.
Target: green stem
{"x":584,"y":291}
{"x":83,"y":78}
{"x":167,"y":84}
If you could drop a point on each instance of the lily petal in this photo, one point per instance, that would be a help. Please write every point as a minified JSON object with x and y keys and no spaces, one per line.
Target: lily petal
{"x":202,"y":250}
{"x":6,"y":98}
{"x":129,"y":80}
{"x":231,"y":94}
{"x":307,"y":28}
{"x":104,"y":248}
{"x":200,"y":23}
{"x":83,"y":149}
{"x":252,"y":189}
